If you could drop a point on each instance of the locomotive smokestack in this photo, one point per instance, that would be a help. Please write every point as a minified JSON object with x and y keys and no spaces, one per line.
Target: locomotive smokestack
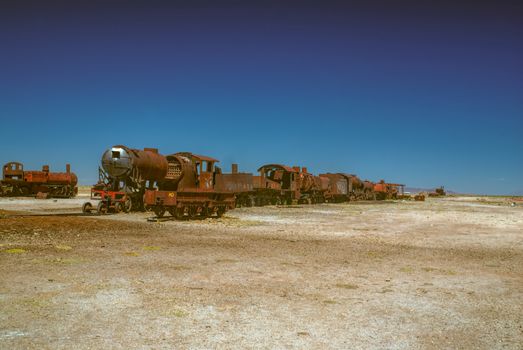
{"x":234,"y":168}
{"x":304,"y":170}
{"x":68,"y":168}
{"x":45,"y":168}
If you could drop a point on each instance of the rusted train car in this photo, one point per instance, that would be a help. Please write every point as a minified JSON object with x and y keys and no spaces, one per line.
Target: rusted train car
{"x":384,"y":190}
{"x":44,"y":184}
{"x":184,"y":184}
{"x":278,"y":184}
{"x":192,"y":188}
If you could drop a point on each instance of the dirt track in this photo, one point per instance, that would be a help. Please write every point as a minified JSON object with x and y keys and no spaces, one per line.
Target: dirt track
{"x":446,"y":273}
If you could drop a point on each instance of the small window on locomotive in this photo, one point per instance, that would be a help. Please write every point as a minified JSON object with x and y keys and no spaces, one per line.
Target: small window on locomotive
{"x":116,"y":154}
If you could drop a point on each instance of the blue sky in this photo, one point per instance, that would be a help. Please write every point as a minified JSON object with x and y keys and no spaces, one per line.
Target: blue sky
{"x":423,"y":93}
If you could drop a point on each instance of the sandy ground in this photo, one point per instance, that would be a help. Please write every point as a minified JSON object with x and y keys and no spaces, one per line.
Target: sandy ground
{"x":446,"y":273}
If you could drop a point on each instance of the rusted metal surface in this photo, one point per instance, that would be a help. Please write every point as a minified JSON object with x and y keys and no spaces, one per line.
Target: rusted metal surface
{"x":46,"y":184}
{"x":235,"y":182}
{"x":338,"y":187}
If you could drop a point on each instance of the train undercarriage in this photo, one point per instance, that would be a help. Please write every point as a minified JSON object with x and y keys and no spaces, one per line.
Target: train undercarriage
{"x":189,"y":205}
{"x":24,"y":189}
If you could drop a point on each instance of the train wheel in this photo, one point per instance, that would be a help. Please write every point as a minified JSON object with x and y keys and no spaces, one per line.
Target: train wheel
{"x":24,"y":191}
{"x":127,"y":205}
{"x":179,"y":213}
{"x":87,"y":207}
{"x":101,"y":208}
{"x":117,"y":207}
{"x":220,"y":212}
{"x":201,"y":214}
{"x":159,"y":211}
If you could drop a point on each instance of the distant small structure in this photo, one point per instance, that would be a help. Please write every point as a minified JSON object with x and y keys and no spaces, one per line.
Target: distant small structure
{"x":438,"y":192}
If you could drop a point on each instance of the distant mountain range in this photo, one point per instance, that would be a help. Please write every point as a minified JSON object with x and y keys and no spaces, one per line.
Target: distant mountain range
{"x":419,"y":189}
{"x":432,"y":189}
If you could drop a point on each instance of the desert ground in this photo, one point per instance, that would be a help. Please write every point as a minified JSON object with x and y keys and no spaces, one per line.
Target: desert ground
{"x":444,"y":273}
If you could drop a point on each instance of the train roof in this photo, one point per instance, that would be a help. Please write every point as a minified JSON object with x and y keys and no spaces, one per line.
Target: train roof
{"x":197,"y":157}
{"x":348,"y":176}
{"x":278,"y":166}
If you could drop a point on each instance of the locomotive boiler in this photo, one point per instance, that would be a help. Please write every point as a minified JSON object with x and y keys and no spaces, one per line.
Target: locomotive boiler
{"x":123,"y":177}
{"x":44,"y":184}
{"x":312,"y":189}
{"x":121,"y":162}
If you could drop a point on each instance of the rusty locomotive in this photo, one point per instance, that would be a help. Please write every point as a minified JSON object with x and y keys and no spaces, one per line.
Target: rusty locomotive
{"x":184,"y":184}
{"x":187,"y":185}
{"x":124,"y":175}
{"x":281,"y":184}
{"x":44,"y":184}
{"x":192,"y":188}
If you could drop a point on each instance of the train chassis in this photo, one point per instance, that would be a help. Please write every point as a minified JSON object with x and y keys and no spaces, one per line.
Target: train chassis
{"x":109,"y":201}
{"x":261,"y":198}
{"x":188,"y":205}
{"x":12,"y":189}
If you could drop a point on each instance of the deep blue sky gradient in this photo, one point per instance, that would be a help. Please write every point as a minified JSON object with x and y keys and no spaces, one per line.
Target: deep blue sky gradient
{"x":424,"y":93}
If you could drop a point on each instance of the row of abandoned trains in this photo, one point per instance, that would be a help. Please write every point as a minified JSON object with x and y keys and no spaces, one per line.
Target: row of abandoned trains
{"x":187,"y":185}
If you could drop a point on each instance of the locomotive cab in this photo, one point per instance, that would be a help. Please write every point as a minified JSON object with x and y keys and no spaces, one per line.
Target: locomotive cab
{"x":194,"y":171}
{"x":283,"y":175}
{"x":205,"y":174}
{"x":13,"y":171}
